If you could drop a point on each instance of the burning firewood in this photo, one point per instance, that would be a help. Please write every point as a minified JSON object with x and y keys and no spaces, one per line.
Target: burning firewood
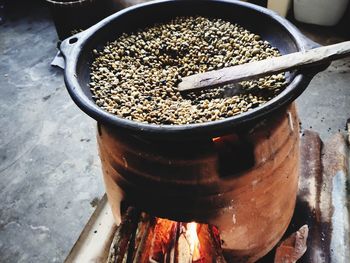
{"x":183,"y":250}
{"x":210,"y":244}
{"x":188,"y":247}
{"x":124,"y":236}
{"x":163,"y":243}
{"x":143,"y":239}
{"x":146,"y":239}
{"x":293,"y":248}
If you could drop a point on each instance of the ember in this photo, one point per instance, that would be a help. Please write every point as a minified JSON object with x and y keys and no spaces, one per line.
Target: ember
{"x":216,"y":139}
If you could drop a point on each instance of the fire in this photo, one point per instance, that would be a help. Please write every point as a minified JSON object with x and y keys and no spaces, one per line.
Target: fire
{"x":193,"y":241}
{"x":177,"y":242}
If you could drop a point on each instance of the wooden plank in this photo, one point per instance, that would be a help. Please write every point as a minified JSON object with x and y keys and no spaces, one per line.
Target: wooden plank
{"x":94,"y":242}
{"x":123,"y":241}
{"x":334,"y":198}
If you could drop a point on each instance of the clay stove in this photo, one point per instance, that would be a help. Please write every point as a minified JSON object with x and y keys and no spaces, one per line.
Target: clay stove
{"x":243,"y":183}
{"x":322,"y":205}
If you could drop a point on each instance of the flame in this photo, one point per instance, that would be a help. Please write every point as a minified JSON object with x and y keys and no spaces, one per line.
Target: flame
{"x":193,"y":241}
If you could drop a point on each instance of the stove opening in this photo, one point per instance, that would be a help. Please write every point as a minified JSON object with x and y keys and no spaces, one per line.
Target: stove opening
{"x":144,"y":238}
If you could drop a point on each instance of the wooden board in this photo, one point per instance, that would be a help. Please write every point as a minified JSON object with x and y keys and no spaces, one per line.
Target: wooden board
{"x":95,"y":240}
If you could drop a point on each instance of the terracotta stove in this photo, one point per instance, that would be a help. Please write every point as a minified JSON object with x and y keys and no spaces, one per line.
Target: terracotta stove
{"x":244,"y":183}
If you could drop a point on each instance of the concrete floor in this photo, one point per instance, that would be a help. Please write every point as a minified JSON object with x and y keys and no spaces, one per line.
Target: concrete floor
{"x":50,"y":173}
{"x":50,"y":177}
{"x":325,"y":105}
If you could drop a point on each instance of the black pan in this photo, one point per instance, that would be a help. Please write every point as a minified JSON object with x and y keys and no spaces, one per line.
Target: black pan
{"x":77,"y":51}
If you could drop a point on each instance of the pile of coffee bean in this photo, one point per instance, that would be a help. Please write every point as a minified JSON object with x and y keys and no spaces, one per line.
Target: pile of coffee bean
{"x":136,"y":76}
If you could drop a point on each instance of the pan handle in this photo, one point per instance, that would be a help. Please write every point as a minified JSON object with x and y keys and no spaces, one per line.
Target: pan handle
{"x":307,"y":45}
{"x":70,"y":47}
{"x":67,"y":46}
{"x":64,"y":50}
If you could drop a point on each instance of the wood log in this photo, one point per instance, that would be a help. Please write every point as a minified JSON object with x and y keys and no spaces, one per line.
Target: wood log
{"x":148,"y":239}
{"x":170,"y":256}
{"x":143,"y":240}
{"x":163,"y":240}
{"x":293,"y":248}
{"x":123,"y":236}
{"x":183,"y":250}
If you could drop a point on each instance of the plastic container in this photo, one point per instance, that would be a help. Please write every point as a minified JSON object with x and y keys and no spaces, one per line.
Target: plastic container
{"x":72,"y":16}
{"x":279,"y":6}
{"x":320,"y":12}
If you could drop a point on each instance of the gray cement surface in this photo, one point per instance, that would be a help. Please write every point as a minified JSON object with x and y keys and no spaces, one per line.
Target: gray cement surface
{"x":50,"y":173}
{"x":49,"y":168}
{"x":325,"y":105}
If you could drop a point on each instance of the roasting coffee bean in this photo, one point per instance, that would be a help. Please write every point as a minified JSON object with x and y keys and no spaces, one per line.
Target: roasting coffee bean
{"x":135,"y":76}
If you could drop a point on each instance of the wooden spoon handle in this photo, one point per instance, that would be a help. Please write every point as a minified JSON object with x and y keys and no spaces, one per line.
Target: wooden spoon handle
{"x":265,"y":67}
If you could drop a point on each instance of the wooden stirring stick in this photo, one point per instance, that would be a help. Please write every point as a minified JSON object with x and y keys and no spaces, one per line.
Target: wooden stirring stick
{"x":265,"y":67}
